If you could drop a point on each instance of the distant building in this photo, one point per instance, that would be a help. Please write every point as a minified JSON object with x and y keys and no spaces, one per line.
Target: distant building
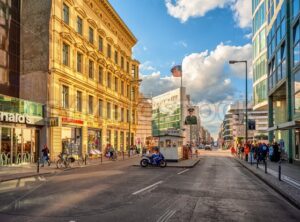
{"x":144,"y":121}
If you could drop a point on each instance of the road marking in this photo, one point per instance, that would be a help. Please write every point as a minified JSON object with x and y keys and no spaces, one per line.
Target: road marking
{"x":146,"y":188}
{"x":183,"y":171}
{"x":166,"y":216}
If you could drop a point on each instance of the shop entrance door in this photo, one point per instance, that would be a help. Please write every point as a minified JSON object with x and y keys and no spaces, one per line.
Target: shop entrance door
{"x":297,"y":144}
{"x":6,"y":146}
{"x":17,"y":149}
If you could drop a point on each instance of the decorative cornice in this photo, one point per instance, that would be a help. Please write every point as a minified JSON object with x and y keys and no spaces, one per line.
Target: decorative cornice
{"x":92,"y":23}
{"x":80,"y":11}
{"x":68,"y":37}
{"x":101,"y":32}
{"x":110,"y":40}
{"x":81,"y":46}
{"x":71,"y":2}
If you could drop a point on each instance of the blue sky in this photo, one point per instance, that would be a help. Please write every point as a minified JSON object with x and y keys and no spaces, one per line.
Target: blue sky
{"x":202,"y":35}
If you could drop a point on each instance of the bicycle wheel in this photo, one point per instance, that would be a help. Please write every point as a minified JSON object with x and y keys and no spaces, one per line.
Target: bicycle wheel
{"x":59,"y":163}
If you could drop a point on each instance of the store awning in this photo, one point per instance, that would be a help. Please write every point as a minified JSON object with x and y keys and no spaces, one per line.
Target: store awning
{"x":285,"y":126}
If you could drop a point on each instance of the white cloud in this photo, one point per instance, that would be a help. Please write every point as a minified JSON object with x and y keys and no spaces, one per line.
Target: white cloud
{"x":203,"y":74}
{"x":206,"y":77}
{"x":243,"y":13}
{"x":184,"y":9}
{"x":248,"y":36}
{"x":146,"y":66}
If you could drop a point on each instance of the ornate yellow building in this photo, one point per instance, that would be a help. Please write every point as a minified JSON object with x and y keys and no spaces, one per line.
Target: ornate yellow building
{"x":81,"y":67}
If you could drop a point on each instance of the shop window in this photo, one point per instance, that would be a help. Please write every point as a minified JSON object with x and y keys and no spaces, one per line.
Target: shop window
{"x":65,"y":96}
{"x":91,"y":69}
{"x":66,"y":50}
{"x":66,"y":13}
{"x":91,"y":35}
{"x":91,"y":107}
{"x":94,"y":141}
{"x":79,"y":101}
{"x":100,"y":75}
{"x":79,"y":62}
{"x":100,"y":44}
{"x":71,"y":140}
{"x":297,"y":92}
{"x":79,"y":25}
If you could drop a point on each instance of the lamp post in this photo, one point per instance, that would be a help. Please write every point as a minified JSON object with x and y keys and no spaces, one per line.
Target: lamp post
{"x":130,"y":107}
{"x":246,"y":124}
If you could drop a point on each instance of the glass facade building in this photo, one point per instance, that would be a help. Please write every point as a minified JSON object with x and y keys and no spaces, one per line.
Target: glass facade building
{"x":259,"y":54}
{"x":283,"y":42}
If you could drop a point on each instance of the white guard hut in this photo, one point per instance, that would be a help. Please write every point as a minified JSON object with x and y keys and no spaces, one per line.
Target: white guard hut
{"x":171,"y":145}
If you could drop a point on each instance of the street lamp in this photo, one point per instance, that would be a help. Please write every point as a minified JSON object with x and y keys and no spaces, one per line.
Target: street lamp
{"x":130,"y":108}
{"x":246,"y":124}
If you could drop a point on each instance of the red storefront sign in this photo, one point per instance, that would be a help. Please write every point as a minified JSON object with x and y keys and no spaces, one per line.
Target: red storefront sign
{"x":69,"y":120}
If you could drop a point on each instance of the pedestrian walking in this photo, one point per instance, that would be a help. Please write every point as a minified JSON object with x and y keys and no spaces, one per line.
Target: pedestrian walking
{"x":46,"y":154}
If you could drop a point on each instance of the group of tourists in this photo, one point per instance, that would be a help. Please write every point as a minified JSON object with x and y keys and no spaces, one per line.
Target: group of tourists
{"x":258,"y":151}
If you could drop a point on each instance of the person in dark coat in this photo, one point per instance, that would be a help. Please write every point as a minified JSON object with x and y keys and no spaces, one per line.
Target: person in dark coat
{"x":276,"y":155}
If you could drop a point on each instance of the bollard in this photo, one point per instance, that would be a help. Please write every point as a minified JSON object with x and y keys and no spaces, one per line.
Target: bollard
{"x":257,"y":159}
{"x":101,"y":157}
{"x":123,"y":154}
{"x":279,"y":170}
{"x":85,"y":159}
{"x":38,"y":166}
{"x":266,"y":171}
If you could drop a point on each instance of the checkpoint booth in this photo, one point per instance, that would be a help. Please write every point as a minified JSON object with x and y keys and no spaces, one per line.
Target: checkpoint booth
{"x":171,"y":145}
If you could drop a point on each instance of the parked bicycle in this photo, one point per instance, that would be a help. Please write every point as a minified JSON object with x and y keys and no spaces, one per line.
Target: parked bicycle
{"x":64,"y":160}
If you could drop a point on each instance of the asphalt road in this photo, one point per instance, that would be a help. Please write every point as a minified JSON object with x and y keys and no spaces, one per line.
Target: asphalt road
{"x":217,"y":189}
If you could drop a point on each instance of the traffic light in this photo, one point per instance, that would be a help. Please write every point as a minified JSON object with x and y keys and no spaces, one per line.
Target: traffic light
{"x":251,"y":124}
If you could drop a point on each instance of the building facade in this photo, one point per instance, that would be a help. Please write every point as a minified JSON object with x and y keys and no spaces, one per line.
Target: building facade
{"x":144,"y":122}
{"x":169,"y":111}
{"x":77,"y":59}
{"x":260,"y":98}
{"x":283,"y":43}
{"x":10,"y":47}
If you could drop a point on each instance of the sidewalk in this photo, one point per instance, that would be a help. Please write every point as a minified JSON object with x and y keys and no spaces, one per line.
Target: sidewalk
{"x":29,"y":170}
{"x":288,"y":187}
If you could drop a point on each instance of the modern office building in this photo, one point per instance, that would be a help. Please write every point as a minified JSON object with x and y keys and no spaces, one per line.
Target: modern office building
{"x":283,"y":42}
{"x":260,"y":99}
{"x":169,"y":111}
{"x":76,"y":58}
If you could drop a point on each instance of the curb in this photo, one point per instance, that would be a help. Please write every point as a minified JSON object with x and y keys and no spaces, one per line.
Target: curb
{"x":55,"y":170}
{"x":276,"y":188}
{"x":26,"y":176}
{"x":186,"y":166}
